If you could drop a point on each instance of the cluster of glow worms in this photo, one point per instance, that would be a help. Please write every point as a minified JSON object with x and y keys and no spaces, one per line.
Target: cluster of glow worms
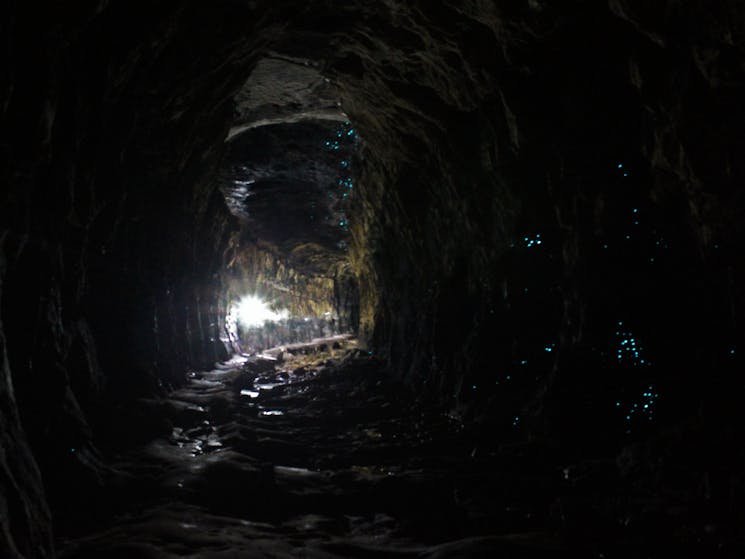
{"x":641,"y":409}
{"x":628,"y":349}
{"x":345,"y":133}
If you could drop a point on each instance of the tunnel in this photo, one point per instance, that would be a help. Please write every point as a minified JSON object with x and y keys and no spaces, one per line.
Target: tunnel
{"x":371,"y":279}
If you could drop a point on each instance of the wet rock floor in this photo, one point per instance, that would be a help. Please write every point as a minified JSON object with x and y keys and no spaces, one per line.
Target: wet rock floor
{"x":319,"y":454}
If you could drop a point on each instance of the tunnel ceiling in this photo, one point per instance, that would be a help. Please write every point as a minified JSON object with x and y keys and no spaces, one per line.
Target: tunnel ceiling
{"x":283,"y":89}
{"x":290,"y":182}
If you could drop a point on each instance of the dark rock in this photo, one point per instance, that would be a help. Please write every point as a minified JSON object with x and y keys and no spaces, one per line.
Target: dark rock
{"x":530,"y":212}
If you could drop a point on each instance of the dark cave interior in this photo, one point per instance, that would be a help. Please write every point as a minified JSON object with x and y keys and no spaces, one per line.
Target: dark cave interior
{"x":510,"y":226}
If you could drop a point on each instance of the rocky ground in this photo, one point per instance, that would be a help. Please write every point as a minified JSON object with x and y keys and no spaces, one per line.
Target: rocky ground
{"x":313,"y":451}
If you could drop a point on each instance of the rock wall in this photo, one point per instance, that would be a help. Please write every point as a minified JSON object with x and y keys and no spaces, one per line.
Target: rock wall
{"x":541,"y":181}
{"x":558,"y":256}
{"x":25,"y":521}
{"x":114,"y":239}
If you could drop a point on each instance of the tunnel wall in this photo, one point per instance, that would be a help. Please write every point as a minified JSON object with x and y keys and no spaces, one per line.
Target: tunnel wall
{"x":549,"y":226}
{"x":591,"y":124}
{"x":113,"y":239}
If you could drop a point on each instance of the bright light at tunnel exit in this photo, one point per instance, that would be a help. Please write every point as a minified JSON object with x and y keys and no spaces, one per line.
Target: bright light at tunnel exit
{"x":252,"y":311}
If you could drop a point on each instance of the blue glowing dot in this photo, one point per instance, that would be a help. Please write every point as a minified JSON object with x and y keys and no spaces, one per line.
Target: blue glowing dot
{"x":509,"y":377}
{"x":73,"y":450}
{"x":474,"y":387}
{"x":636,"y":210}
{"x":618,"y":404}
{"x":625,"y":174}
{"x":732,"y":351}
{"x":523,"y":362}
{"x":620,"y":165}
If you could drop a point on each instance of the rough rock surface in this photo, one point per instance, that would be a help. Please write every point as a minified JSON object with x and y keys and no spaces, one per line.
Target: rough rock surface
{"x":24,"y":515}
{"x":283,"y":90}
{"x":544,"y":237}
{"x":323,"y":454}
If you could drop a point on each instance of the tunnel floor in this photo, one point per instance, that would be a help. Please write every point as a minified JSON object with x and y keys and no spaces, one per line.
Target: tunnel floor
{"x":325,"y":456}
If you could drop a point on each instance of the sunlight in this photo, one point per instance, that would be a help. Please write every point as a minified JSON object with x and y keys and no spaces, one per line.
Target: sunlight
{"x":252,"y":311}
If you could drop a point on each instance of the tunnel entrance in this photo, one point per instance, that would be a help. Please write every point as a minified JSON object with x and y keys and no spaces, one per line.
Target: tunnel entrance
{"x":289,"y":177}
{"x":252,"y":326}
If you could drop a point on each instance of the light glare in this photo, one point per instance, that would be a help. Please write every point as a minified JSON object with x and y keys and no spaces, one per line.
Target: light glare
{"x":252,"y":311}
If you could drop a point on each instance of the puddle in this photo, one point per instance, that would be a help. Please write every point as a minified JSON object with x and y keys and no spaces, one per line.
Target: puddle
{"x":287,"y":470}
{"x":206,"y":383}
{"x":268,"y":385}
